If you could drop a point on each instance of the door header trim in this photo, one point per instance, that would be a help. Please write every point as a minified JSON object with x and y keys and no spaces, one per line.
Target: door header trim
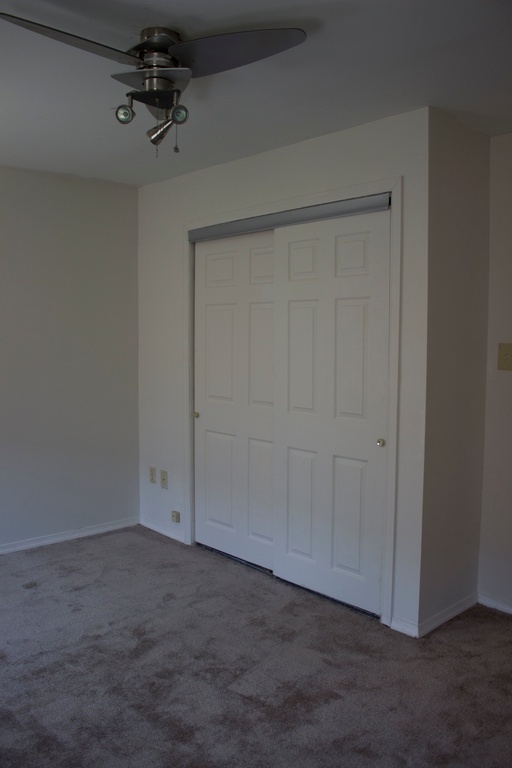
{"x":350,"y":207}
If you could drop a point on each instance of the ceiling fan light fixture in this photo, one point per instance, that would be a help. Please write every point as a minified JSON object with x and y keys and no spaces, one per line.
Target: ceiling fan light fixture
{"x":178,"y":115}
{"x":125,"y":114}
{"x":164,"y":99}
{"x":157,"y":134}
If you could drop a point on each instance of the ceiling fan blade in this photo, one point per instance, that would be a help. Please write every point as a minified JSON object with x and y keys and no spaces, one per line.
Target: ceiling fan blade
{"x":77,"y":42}
{"x":218,"y":53}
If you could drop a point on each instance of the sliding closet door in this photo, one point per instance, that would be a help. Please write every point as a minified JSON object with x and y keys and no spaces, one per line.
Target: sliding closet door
{"x":234,"y":396}
{"x":291,"y":388}
{"x":331,"y":405}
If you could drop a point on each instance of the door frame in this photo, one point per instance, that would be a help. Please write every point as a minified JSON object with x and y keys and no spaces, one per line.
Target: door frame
{"x":394,"y":187}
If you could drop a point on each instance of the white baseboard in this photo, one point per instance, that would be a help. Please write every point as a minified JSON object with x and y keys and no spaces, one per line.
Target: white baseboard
{"x":419,"y":630}
{"x":179,"y":536}
{"x":448,"y":613}
{"x":405,"y":627}
{"x":54,"y":538}
{"x":490,"y":602}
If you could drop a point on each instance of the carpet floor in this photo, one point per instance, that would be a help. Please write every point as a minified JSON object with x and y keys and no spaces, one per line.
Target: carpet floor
{"x":129,"y":650}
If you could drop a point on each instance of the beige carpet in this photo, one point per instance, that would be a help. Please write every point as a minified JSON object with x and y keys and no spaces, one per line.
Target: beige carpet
{"x":128,"y":650}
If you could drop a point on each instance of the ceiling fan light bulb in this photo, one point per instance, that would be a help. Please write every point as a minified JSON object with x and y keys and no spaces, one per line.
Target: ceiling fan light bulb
{"x":125,"y":114}
{"x":179,"y":114}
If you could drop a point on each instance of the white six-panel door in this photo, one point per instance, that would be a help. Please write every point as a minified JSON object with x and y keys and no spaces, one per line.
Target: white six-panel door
{"x":291,"y":384}
{"x":331,"y":404}
{"x":234,"y":396}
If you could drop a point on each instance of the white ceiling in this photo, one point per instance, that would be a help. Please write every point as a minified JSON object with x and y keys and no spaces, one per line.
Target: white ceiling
{"x":362,"y":60}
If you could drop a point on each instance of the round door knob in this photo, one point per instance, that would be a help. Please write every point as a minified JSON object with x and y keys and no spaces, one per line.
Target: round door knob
{"x":196,"y":414}
{"x":381,"y":442}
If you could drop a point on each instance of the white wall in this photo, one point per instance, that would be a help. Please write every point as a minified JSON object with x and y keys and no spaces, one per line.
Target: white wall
{"x":318,"y":170}
{"x":68,"y":352}
{"x":68,"y":345}
{"x":495,"y":576}
{"x":458,"y":249}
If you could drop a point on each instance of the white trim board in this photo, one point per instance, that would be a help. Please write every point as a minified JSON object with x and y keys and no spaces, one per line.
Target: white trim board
{"x":54,"y":538}
{"x":448,"y":613}
{"x":405,"y":627}
{"x":423,"y":628}
{"x":177,"y":537}
{"x":490,"y":602}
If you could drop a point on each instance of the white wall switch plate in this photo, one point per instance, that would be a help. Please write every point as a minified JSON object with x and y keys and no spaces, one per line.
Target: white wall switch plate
{"x":505,"y":357}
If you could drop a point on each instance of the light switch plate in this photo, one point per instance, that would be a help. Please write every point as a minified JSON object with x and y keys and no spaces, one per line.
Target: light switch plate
{"x":164,"y":479}
{"x":505,"y":357}
{"x":152,"y":474}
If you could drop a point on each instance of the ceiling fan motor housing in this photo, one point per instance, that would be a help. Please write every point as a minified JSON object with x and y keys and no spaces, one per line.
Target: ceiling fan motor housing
{"x":159,"y":91}
{"x":155,"y":39}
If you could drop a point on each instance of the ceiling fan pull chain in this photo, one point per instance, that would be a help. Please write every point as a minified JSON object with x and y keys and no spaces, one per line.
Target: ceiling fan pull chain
{"x":156,"y":145}
{"x":176,"y":148}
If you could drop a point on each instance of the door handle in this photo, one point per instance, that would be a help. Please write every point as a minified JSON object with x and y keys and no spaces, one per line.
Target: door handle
{"x":381,"y":443}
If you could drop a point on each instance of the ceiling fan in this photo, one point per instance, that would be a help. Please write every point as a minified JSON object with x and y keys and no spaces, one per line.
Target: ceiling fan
{"x":164,"y":64}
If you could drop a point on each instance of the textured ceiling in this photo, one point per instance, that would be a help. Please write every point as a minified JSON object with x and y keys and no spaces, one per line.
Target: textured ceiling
{"x":362,"y":60}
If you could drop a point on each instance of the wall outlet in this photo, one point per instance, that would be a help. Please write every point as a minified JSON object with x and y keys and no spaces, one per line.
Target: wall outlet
{"x":175,"y":516}
{"x":164,"y":479}
{"x":152,"y":474}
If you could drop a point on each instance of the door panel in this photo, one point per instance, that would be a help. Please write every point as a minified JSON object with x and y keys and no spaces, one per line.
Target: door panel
{"x":234,"y":391}
{"x":261,"y":354}
{"x":332,"y":320}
